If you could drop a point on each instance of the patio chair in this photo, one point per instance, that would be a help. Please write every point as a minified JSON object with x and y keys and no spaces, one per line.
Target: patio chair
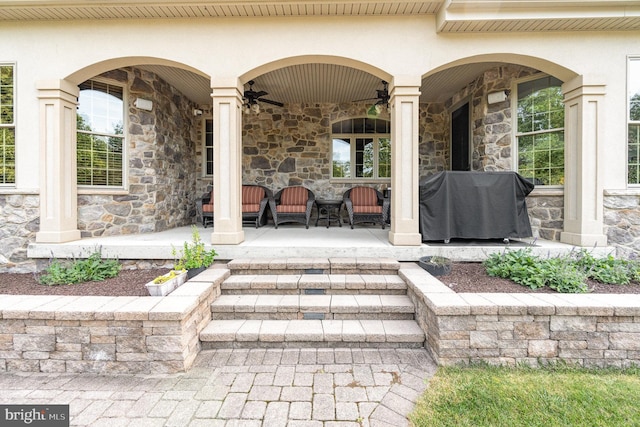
{"x":292,"y":204}
{"x":366,"y":205}
{"x":255,"y":199}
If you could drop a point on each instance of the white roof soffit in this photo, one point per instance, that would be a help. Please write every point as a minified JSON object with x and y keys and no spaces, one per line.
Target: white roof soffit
{"x":41,"y":10}
{"x":469,"y":16}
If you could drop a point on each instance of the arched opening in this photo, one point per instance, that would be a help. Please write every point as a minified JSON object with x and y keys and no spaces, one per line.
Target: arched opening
{"x":499,"y":112}
{"x":139,"y":132}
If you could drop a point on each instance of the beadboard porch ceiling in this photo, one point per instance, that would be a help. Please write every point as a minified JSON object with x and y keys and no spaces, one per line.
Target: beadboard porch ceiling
{"x":323,"y":83}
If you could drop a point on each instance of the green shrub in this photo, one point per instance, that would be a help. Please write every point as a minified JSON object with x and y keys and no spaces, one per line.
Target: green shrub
{"x":193,"y":254}
{"x":520,"y":266}
{"x":92,"y":269}
{"x":566,"y":274}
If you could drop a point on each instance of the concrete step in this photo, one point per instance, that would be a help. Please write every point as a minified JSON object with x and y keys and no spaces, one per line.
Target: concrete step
{"x":312,"y":333}
{"x":314,"y":283}
{"x":313,"y":266}
{"x":321,"y":307}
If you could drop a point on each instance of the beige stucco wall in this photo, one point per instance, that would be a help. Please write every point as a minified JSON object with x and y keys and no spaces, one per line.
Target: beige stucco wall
{"x":385,"y":46}
{"x":226,"y":50}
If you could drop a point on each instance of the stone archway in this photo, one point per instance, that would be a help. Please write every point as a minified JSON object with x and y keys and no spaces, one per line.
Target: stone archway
{"x":158,"y":187}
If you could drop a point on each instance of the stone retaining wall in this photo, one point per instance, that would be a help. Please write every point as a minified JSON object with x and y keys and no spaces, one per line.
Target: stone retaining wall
{"x":595,"y":330}
{"x":107,"y":334}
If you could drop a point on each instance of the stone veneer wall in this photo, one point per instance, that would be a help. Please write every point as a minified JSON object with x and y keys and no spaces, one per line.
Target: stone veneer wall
{"x":19,"y":222}
{"x":106,"y":335}
{"x":599,"y":330}
{"x":162,"y":163}
{"x":622,"y":221}
{"x":292,"y":146}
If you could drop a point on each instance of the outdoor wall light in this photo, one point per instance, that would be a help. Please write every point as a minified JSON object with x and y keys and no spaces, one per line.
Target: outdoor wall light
{"x":197,"y":112}
{"x":143,"y":104}
{"x":496,"y":97}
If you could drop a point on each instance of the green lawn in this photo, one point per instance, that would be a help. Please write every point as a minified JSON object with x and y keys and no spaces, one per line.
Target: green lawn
{"x":510,"y":397}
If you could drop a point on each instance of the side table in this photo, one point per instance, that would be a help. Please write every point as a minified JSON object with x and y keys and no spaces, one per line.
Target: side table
{"x":329,"y":210}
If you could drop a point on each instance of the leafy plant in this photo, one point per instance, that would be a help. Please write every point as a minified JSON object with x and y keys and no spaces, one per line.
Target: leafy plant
{"x":92,"y":269}
{"x":520,"y":265}
{"x":567,"y":274}
{"x":193,"y":254}
{"x":166,"y":277}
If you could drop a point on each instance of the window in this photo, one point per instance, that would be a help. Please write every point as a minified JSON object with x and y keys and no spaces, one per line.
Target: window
{"x":208,"y":147}
{"x":361,"y":149}
{"x":7,"y":125}
{"x":100,"y":122}
{"x":633,"y":118}
{"x":540,"y":132}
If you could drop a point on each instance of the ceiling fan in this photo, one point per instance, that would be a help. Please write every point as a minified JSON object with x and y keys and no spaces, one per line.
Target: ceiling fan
{"x":382,"y":96}
{"x":252,"y":98}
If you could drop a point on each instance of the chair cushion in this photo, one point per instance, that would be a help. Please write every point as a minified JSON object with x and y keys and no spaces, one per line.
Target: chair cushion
{"x":294,"y":196}
{"x":291,"y":208}
{"x":252,"y":195}
{"x":367,"y":209}
{"x":363,"y":196}
{"x":251,"y":207}
{"x":208,"y":207}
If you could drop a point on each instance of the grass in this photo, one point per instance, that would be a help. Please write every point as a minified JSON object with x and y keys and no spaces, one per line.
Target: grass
{"x":546,"y":397}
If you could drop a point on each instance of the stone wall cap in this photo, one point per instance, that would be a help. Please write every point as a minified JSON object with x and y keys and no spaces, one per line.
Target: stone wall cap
{"x":479,"y":304}
{"x":448,"y":304}
{"x":507,"y":303}
{"x":137,"y":309}
{"x":19,"y":306}
{"x":82,"y":308}
{"x":173,"y":307}
{"x":212,"y":275}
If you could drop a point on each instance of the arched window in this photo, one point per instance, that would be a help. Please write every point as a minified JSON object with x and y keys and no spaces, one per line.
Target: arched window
{"x":100,"y":122}
{"x":361,"y":149}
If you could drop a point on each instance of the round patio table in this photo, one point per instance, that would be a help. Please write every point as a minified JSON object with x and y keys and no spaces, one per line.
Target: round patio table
{"x":329,"y":210}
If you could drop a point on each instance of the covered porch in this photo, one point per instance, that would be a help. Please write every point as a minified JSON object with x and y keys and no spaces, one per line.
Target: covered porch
{"x":293,"y":241}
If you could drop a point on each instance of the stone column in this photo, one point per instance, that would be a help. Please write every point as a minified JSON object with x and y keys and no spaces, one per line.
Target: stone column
{"x":583,"y":186}
{"x":58,"y":175}
{"x":227,"y":162}
{"x":404,"y":104}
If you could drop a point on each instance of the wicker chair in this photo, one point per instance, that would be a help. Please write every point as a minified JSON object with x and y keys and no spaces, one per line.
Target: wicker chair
{"x":255,"y":199}
{"x":366,"y":205}
{"x":292,"y":204}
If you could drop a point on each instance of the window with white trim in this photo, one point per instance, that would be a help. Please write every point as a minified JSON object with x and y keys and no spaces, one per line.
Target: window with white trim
{"x":633,"y":120}
{"x":540,"y":130}
{"x":361,"y":149}
{"x":7,"y":124}
{"x":100,"y":125}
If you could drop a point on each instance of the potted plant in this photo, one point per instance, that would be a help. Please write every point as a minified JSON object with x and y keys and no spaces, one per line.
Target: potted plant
{"x":165,"y":284}
{"x":436,"y":265}
{"x":193,"y":256}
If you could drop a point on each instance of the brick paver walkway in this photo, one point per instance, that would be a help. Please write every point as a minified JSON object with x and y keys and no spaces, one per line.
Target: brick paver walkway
{"x":243,"y":387}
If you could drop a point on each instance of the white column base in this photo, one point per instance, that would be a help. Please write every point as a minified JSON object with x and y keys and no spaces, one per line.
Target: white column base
{"x":57,"y":236}
{"x":229,"y":238}
{"x":585,"y":240}
{"x":405,"y":239}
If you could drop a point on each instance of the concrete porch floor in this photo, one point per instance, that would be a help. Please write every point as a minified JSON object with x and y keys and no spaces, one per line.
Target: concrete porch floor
{"x":292,"y":240}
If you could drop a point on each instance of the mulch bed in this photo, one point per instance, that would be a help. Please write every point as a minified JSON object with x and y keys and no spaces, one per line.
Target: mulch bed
{"x":127,"y":283}
{"x":465,"y":277}
{"x":468,"y":277}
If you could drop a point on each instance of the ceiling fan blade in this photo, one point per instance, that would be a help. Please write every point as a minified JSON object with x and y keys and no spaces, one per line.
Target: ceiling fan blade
{"x":366,"y":99}
{"x":268,"y":101}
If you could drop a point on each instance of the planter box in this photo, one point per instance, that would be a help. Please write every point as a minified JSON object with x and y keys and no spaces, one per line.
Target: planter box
{"x":165,"y":288}
{"x":442,"y":268}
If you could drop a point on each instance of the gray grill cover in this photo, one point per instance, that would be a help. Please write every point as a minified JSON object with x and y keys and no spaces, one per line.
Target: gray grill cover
{"x":474,"y":205}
